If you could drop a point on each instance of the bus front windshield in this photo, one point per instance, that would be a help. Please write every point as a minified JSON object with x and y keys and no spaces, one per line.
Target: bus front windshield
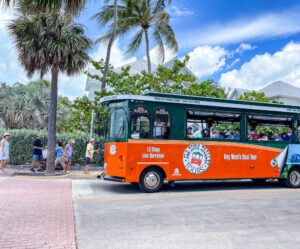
{"x":118,"y":124}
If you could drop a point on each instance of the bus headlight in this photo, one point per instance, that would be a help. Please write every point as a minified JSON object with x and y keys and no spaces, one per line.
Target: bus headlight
{"x":105,"y":165}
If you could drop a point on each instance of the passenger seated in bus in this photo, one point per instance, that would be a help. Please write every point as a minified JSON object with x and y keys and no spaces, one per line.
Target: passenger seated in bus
{"x":196,"y":133}
{"x":166,"y":132}
{"x":254,"y":135}
{"x":159,"y":129}
{"x":277,"y":137}
{"x":228,"y":134}
{"x":270,"y":135}
{"x":263,"y":136}
{"x":286,"y":137}
{"x":206,"y":133}
{"x":214,"y":133}
{"x":237,"y":134}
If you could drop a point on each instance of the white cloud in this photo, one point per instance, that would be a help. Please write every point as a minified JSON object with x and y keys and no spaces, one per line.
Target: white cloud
{"x":258,"y":27}
{"x":244,"y":47}
{"x":206,"y":60}
{"x":266,"y":68}
{"x":179,"y":11}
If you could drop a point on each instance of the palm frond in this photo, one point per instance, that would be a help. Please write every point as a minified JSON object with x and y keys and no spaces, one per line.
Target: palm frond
{"x":160,"y":45}
{"x":135,"y":43}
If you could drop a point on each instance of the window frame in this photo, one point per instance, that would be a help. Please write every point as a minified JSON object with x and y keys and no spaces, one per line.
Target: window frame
{"x":272,"y":115}
{"x":153,"y":120}
{"x":149,"y":117}
{"x":114,"y":109}
{"x":214,"y":111}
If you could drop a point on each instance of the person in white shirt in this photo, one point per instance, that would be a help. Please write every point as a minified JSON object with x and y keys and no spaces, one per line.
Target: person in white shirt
{"x":4,"y":151}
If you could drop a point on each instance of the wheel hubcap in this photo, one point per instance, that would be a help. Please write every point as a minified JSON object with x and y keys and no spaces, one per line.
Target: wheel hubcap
{"x":295,"y":178}
{"x":152,"y":180}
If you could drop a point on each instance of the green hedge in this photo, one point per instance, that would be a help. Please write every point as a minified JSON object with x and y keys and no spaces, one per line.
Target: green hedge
{"x":22,"y":141}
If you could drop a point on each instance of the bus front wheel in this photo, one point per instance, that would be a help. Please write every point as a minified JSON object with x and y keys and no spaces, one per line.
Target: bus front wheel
{"x":293,"y":180}
{"x":151,"y":180}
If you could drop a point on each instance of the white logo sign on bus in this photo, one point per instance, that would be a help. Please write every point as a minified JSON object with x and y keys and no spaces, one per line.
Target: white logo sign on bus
{"x":196,"y":158}
{"x":113,"y":149}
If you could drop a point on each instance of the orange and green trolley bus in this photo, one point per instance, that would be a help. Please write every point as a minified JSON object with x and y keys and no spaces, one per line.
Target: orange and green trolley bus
{"x":156,"y":138}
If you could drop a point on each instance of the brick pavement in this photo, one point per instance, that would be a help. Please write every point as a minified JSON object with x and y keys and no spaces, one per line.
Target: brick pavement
{"x":36,"y":213}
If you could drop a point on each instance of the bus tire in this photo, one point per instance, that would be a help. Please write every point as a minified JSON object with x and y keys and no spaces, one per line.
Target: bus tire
{"x":151,"y":180}
{"x":293,"y":180}
{"x":259,"y":180}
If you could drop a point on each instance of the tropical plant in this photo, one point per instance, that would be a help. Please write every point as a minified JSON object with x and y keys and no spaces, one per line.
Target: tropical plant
{"x":27,"y":106}
{"x":50,"y":42}
{"x":141,"y":15}
{"x":174,"y":80}
{"x":70,"y":5}
{"x":257,"y":97}
{"x":109,"y":46}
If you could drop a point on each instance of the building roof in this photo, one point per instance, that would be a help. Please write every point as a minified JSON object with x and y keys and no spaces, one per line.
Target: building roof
{"x":237,"y":92}
{"x":282,"y":89}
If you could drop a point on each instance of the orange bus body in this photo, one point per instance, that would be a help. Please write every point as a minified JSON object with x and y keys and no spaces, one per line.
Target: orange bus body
{"x":223,"y":160}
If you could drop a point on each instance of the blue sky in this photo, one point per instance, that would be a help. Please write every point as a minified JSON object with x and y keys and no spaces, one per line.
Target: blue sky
{"x":239,"y":43}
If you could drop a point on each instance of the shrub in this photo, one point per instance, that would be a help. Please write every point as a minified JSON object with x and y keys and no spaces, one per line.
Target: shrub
{"x":22,"y":141}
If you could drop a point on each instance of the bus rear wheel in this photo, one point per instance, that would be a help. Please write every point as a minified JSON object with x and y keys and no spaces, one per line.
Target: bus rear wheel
{"x":293,"y":180}
{"x":151,"y":180}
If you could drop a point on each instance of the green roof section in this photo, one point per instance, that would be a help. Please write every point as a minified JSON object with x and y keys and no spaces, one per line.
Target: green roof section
{"x":201,"y":98}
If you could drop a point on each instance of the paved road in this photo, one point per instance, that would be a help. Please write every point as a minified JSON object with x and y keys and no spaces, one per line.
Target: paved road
{"x":199,"y":215}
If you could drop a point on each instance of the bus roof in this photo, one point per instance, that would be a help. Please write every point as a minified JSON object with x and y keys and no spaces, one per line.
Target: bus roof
{"x":204,"y":101}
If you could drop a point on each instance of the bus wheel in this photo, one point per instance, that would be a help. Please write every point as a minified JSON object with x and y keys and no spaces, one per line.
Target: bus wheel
{"x":293,"y":180}
{"x":262,"y":180}
{"x":151,"y":180}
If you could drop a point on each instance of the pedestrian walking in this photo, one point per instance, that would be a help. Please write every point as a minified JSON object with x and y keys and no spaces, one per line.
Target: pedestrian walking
{"x":37,"y":153}
{"x":68,"y":154}
{"x":89,"y":155}
{"x":4,"y":151}
{"x":59,"y":156}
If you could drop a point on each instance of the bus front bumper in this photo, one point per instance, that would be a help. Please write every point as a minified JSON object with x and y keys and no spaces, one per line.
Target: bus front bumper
{"x":106,"y":177}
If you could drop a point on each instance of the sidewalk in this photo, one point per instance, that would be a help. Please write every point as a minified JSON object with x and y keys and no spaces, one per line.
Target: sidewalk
{"x":36,"y":213}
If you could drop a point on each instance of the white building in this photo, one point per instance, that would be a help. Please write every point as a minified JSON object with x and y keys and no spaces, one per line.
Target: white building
{"x":279,"y":91}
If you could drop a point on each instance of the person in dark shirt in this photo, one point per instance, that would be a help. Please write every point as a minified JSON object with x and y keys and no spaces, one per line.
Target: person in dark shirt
{"x":37,"y":153}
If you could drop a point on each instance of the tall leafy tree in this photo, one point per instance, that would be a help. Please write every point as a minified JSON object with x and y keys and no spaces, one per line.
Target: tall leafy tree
{"x":50,"y":42}
{"x":142,"y":16}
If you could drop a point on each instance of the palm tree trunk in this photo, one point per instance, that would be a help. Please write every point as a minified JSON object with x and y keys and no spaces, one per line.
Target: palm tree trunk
{"x":109,"y":47}
{"x":50,"y":168}
{"x":148,"y":50}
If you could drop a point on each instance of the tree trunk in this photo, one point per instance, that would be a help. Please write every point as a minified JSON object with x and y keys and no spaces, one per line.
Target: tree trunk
{"x":109,"y":47}
{"x":148,"y":50}
{"x":50,"y":168}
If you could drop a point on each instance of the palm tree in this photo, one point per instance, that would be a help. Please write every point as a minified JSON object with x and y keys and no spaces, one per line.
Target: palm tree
{"x":70,"y":5}
{"x":109,"y":46}
{"x":50,"y":42}
{"x":143,"y":16}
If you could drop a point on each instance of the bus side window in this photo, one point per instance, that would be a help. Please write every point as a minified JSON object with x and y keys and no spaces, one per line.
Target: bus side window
{"x":161,"y":126}
{"x":216,"y":125}
{"x":140,"y":123}
{"x":269,"y":128}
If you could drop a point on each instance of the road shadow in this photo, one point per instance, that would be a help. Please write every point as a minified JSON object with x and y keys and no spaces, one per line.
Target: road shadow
{"x":191,"y":186}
